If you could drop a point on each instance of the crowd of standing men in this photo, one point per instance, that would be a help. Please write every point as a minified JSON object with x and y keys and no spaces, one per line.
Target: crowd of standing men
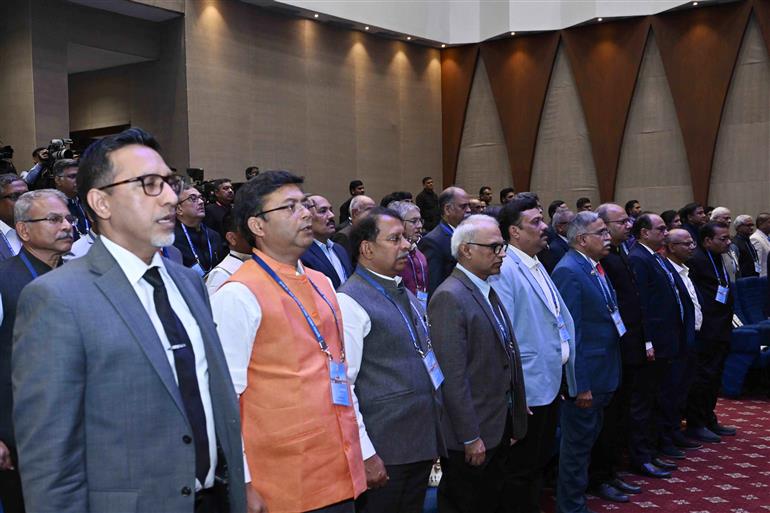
{"x":326,"y":367}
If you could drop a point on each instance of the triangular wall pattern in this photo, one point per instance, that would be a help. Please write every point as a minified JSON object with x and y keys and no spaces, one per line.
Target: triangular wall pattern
{"x":457,"y":68}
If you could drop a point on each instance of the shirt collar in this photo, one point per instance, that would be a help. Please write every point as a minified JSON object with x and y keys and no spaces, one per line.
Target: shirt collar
{"x":650,"y":251}
{"x":240,"y":256}
{"x":483,"y":285}
{"x":133,"y":266}
{"x":591,"y":261}
{"x":5,"y":228}
{"x":329,"y":244}
{"x":531,"y":262}
{"x":395,"y":279}
{"x":681,"y":269}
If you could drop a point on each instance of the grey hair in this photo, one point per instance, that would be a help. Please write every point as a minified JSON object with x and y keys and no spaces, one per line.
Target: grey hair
{"x":602,"y":209}
{"x":466,"y":230}
{"x":579,"y":225}
{"x":740,"y":220}
{"x":7,"y":179}
{"x":718,"y":212}
{"x":403,"y":207}
{"x":562,"y":216}
{"x":26,"y":200}
{"x":355,"y":203}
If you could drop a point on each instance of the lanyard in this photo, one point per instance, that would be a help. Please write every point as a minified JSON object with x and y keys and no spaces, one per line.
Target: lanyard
{"x":192,"y":248}
{"x":550,"y":289}
{"x":84,"y":216}
{"x":414,"y":272}
{"x":379,"y":288}
{"x":501,"y":324}
{"x":316,"y":332}
{"x":164,"y":251}
{"x":672,"y":283}
{"x":716,"y":272}
{"x":605,"y":291}
{"x":7,"y":243}
{"x":28,"y":264}
{"x":447,"y":229}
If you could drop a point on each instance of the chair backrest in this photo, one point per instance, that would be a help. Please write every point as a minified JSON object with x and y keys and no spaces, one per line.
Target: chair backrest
{"x":751,"y":297}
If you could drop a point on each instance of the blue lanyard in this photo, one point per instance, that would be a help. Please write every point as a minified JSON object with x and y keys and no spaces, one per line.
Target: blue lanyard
{"x":606,"y":292}
{"x":414,"y":272}
{"x":550,"y":289}
{"x":501,"y":324}
{"x":447,"y":229}
{"x":85,"y":217}
{"x":379,"y":288}
{"x":716,"y":273}
{"x":192,"y":248}
{"x":164,"y":251}
{"x":28,"y":264}
{"x":672,"y":283}
{"x":7,"y":243}
{"x":316,"y":332}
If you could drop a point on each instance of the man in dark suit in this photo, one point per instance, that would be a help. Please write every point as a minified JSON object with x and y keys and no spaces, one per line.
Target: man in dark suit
{"x":749,"y":263}
{"x":455,"y":206}
{"x":427,"y":200}
{"x":484,"y":395}
{"x":11,"y":188}
{"x":356,"y":188}
{"x":65,"y":172}
{"x":324,"y":255}
{"x":144,"y":416}
{"x":359,"y":206}
{"x":201,"y":247}
{"x":591,"y":299}
{"x":222,"y":205}
{"x":693,"y":217}
{"x":713,"y":341}
{"x":43,"y":221}
{"x":557,"y":239}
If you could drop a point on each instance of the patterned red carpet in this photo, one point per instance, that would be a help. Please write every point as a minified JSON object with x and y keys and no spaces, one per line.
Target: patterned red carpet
{"x":729,"y":477}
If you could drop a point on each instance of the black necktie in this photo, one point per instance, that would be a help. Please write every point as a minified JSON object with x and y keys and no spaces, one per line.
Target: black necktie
{"x":184,"y":361}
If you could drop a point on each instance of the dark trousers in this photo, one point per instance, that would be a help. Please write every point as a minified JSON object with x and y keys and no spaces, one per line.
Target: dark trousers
{"x":644,"y":385}
{"x":605,"y":453}
{"x":580,"y":427}
{"x":10,"y":492}
{"x":702,"y":399}
{"x":404,"y":492}
{"x":348,"y":506}
{"x":527,"y":460}
{"x":673,"y":396}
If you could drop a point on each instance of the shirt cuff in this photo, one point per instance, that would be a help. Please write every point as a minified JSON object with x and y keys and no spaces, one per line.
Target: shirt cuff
{"x":647,"y":346}
{"x":471,"y":441}
{"x":367,"y":448}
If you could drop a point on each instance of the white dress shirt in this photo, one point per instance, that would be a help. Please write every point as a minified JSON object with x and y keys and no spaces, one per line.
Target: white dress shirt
{"x":327,"y":248}
{"x":81,"y":247}
{"x":483,"y":285}
{"x":549,"y":290}
{"x":10,"y":235}
{"x":684,"y":273}
{"x":226,"y":268}
{"x":356,"y":324}
{"x":134,"y":268}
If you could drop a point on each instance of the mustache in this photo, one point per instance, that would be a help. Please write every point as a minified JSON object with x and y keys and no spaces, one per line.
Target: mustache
{"x":65,"y":236}
{"x":403,"y":254}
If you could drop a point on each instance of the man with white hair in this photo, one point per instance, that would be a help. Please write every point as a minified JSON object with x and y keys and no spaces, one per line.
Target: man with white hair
{"x":415,"y":273}
{"x":730,"y":257}
{"x":749,"y":263}
{"x":359,"y":206}
{"x":484,"y":398}
{"x":760,"y":239}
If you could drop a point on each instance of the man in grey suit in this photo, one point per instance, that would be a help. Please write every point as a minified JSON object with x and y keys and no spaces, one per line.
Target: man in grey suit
{"x":546,"y":335}
{"x":484,"y":398}
{"x":123,"y":400}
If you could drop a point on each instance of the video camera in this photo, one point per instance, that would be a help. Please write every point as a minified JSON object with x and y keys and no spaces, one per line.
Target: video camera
{"x":59,"y":149}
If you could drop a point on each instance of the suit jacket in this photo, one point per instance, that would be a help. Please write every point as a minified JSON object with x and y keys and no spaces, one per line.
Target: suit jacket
{"x":597,"y":347}
{"x":315,"y":259}
{"x":429,"y":209}
{"x":662,"y":318}
{"x":689,"y":307}
{"x":619,"y":271}
{"x":536,"y":329}
{"x":480,"y":370}
{"x":556,"y":249}
{"x":215,"y":216}
{"x":717,"y":317}
{"x":762,"y":246}
{"x":746,"y":254}
{"x":342,"y":237}
{"x":437,"y":248}
{"x":99,"y":418}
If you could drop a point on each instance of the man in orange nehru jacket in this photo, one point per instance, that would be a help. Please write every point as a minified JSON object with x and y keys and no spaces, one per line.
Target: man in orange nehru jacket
{"x":281,"y":331}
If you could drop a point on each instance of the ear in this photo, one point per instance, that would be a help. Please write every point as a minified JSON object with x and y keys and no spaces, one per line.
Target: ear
{"x":365,"y":250}
{"x":513,"y":232}
{"x":256,"y":226}
{"x":22,"y":230}
{"x":230,"y":238}
{"x":99,"y":201}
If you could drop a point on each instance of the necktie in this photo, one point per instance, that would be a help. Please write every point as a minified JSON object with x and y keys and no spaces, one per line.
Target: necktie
{"x":672,"y":283}
{"x":184,"y":362}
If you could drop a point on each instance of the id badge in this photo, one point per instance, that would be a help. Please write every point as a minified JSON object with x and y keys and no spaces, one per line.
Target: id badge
{"x":198,"y":269}
{"x":722,"y":294}
{"x":339,"y":380}
{"x":618,"y":322}
{"x":422,"y":297}
{"x":434,"y":371}
{"x":563,"y":331}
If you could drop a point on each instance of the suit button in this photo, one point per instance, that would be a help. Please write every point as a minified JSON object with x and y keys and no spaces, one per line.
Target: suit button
{"x":187,"y":439}
{"x":186,"y":491}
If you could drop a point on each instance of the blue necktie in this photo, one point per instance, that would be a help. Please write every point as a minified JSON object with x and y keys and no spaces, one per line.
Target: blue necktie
{"x":673,"y":285}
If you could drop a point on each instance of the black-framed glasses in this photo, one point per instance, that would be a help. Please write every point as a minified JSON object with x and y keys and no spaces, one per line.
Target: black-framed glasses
{"x":13,"y":196}
{"x":496,"y":247}
{"x":394,"y":239}
{"x":415,"y":221}
{"x":291,"y":207}
{"x":623,"y":221}
{"x":152,"y":183}
{"x":193,"y":198}
{"x":604,"y":232}
{"x":55,"y":219}
{"x":684,"y":243}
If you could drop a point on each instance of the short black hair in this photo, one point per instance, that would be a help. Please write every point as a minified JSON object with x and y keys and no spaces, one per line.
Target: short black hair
{"x":668,"y":216}
{"x":709,"y":230}
{"x":504,"y":192}
{"x":216,"y":184}
{"x":250,"y":198}
{"x":688,"y":210}
{"x":7,"y":179}
{"x":366,"y":228}
{"x":484,"y":188}
{"x":251,"y":169}
{"x":395,"y":196}
{"x":555,"y":204}
{"x":36,"y":151}
{"x":426,"y":178}
{"x":95,"y":168}
{"x":581,"y":202}
{"x":510,"y":214}
{"x":629,"y":205}
{"x":354,"y":184}
{"x":644,"y":221}
{"x":60,"y":165}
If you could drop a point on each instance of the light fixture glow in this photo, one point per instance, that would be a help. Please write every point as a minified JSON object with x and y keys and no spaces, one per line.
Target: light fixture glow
{"x":408,"y":38}
{"x":695,"y":4}
{"x":599,"y":19}
{"x":443,"y":46}
{"x":315,"y":15}
{"x":366,"y":28}
{"x":513,"y":33}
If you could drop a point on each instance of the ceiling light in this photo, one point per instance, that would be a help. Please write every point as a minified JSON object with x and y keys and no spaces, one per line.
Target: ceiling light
{"x":513,"y":33}
{"x":408,"y":38}
{"x":695,"y":4}
{"x":443,"y":46}
{"x":315,"y":15}
{"x":599,"y":19}
{"x":366,"y":28}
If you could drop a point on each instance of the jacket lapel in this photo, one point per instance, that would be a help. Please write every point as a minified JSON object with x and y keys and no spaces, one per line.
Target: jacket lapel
{"x":324,"y":261}
{"x":524,"y":270}
{"x":482,"y":302}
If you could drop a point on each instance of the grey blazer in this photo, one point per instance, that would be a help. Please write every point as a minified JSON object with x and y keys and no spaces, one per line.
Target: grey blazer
{"x":98,"y":417}
{"x":479,"y":370}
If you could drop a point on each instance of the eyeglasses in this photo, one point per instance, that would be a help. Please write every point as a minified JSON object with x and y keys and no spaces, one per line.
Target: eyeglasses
{"x":152,"y":184}
{"x":415,"y":221}
{"x":13,"y":196}
{"x":193,"y":198}
{"x":623,"y":221}
{"x":395,"y":239}
{"x":496,"y":247}
{"x":684,"y":243}
{"x":604,"y":232}
{"x":661,"y":229}
{"x":55,"y":219}
{"x":291,"y":207}
{"x":322,"y":210}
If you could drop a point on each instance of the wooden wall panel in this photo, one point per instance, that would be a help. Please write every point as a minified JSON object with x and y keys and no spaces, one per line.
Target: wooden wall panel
{"x":519,"y":71}
{"x":762,"y":12}
{"x":605,"y":61}
{"x":699,"y":48}
{"x":458,"y":65}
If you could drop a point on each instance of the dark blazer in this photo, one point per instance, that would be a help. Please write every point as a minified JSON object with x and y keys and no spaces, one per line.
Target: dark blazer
{"x":663,"y":324}
{"x":746,"y":255}
{"x":429,"y":209}
{"x":342,"y":237}
{"x":208,"y":261}
{"x":315,"y":259}
{"x":479,"y":368}
{"x":215,"y":215}
{"x":97,"y":406}
{"x":597,"y":362}
{"x":717,"y":317}
{"x":556,"y":249}
{"x":437,"y":248}
{"x":689,"y":307}
{"x":622,"y":277}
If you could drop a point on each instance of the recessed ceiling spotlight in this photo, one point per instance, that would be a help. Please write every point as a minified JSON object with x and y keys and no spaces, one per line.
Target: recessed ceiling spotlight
{"x":599,"y":19}
{"x":408,"y":38}
{"x":695,"y":4}
{"x":315,"y":15}
{"x":366,"y":28}
{"x":443,"y":46}
{"x":513,"y":33}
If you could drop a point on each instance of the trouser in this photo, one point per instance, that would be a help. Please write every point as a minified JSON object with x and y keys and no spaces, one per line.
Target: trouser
{"x":702,"y":399}
{"x":644,"y":385}
{"x":347,"y":506}
{"x":604,"y":454}
{"x":403,"y":493}
{"x":580,"y":427}
{"x":527,"y":460}
{"x":673,"y":396}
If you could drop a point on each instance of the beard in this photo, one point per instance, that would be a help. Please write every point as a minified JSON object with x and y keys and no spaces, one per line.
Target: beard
{"x":162,"y":240}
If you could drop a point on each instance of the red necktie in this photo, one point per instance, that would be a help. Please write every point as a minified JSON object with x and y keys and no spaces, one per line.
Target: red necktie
{"x":600,"y":269}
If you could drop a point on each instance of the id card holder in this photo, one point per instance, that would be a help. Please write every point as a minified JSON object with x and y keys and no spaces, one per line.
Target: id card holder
{"x":434,"y":371}
{"x":422,"y":297}
{"x":722,"y":294}
{"x":198,"y":269}
{"x":618,"y":322}
{"x":339,"y":382}
{"x":563,"y":331}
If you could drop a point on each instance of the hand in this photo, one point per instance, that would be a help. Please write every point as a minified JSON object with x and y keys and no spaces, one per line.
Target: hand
{"x":651,"y":354}
{"x":5,"y":457}
{"x":584,"y":399}
{"x":254,"y":501}
{"x":475,"y":453}
{"x":376,"y":475}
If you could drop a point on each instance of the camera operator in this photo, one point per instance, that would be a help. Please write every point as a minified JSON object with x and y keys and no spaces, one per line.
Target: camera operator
{"x":41,"y":174}
{"x":65,"y":173}
{"x":39,"y":156}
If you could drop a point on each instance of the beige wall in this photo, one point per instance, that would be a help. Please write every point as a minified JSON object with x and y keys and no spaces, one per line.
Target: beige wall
{"x":330,"y":104}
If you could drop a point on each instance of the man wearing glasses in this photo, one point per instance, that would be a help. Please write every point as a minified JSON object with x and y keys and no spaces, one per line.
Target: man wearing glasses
{"x":325,"y":255}
{"x":591,"y":299}
{"x":11,"y":188}
{"x":65,"y":173}
{"x":415,"y":272}
{"x":45,"y":228}
{"x":201,"y":247}
{"x":122,"y":397}
{"x":281,"y":329}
